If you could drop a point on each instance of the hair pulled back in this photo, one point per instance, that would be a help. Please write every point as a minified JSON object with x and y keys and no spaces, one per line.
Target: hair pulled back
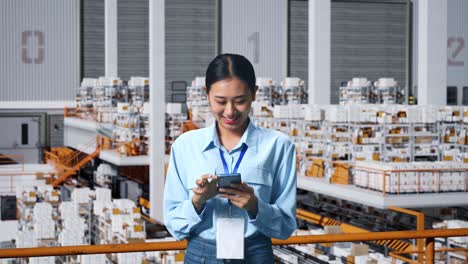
{"x":226,"y":66}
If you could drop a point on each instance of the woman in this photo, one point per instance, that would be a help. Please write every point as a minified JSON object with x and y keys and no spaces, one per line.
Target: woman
{"x":262,"y":205}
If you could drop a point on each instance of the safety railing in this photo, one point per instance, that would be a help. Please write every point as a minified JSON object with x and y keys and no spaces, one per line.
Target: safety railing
{"x":419,"y":226}
{"x":69,"y":164}
{"x":75,"y":157}
{"x":428,"y":235}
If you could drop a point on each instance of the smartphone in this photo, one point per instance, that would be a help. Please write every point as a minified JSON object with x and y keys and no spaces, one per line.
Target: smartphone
{"x":225,"y":180}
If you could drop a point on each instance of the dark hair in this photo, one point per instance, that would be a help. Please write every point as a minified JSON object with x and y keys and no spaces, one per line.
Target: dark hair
{"x":226,"y":66}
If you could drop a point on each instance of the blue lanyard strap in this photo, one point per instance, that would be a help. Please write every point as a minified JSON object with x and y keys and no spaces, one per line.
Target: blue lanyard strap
{"x":241,"y":156}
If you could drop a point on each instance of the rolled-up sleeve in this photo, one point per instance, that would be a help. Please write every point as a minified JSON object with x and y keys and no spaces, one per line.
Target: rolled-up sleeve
{"x":277,"y":218}
{"x":180,"y":216}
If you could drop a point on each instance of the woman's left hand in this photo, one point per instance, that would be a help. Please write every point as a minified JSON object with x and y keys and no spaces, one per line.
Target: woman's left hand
{"x":242,"y":196}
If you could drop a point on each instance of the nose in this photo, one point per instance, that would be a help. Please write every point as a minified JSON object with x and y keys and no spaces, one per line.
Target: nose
{"x":229,"y":110}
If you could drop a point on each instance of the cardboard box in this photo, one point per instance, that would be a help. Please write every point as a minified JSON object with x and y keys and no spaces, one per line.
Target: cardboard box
{"x":359,"y":249}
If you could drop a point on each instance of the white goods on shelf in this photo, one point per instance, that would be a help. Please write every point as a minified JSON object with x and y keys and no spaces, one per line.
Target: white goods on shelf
{"x":196,"y":95}
{"x":294,"y":91}
{"x":42,"y":260}
{"x":411,"y":177}
{"x":26,"y":239}
{"x":92,"y":259}
{"x":138,"y":92}
{"x":265,"y":92}
{"x":336,"y":114}
{"x":294,"y":111}
{"x":102,"y":208}
{"x":131,"y":258}
{"x":357,"y":91}
{"x":314,"y":113}
{"x":44,"y":227}
{"x":85,"y":93}
{"x":103,"y":194}
{"x":42,"y":210}
{"x":104,"y":174}
{"x":68,"y":210}
{"x":389,"y":92}
{"x":26,"y":193}
{"x":81,"y":195}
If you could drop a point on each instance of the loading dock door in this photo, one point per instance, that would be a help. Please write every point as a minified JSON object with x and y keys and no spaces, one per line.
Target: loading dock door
{"x":20,"y":136}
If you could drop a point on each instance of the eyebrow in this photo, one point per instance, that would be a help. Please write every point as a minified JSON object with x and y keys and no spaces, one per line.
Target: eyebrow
{"x":235,"y":97}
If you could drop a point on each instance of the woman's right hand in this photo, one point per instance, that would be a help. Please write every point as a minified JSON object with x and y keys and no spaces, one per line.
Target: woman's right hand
{"x":205,"y":190}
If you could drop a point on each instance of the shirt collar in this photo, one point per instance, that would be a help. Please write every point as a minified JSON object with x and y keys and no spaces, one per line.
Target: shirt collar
{"x":250,"y":138}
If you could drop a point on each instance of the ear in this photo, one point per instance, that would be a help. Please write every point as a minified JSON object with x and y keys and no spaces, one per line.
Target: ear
{"x":204,"y":89}
{"x":254,"y":93}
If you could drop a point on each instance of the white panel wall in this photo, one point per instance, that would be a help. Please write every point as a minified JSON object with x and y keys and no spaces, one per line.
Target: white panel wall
{"x":457,"y":44}
{"x":258,"y":30}
{"x":432,"y":52}
{"x":39,"y":49}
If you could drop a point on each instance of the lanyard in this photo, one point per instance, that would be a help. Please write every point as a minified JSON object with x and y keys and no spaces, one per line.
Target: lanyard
{"x":241,"y":156}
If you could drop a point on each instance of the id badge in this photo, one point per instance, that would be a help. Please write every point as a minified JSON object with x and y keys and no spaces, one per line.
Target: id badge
{"x":230,"y":238}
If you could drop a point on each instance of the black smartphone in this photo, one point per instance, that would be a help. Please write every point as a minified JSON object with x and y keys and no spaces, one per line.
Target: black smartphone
{"x":225,"y":180}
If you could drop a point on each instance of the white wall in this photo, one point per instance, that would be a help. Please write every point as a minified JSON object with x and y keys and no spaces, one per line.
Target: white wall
{"x":457,"y":53}
{"x":39,"y":49}
{"x":457,"y":45}
{"x":258,"y":30}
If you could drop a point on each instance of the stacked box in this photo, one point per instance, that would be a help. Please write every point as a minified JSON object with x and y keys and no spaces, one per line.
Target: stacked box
{"x":81,"y":195}
{"x":336,"y":114}
{"x":26,"y":239}
{"x":26,"y":194}
{"x":71,"y":237}
{"x":313,"y":113}
{"x":130,"y":258}
{"x":103,"y":195}
{"x":102,"y":209}
{"x":281,"y":111}
{"x":44,"y":228}
{"x":449,"y":114}
{"x":403,"y":177}
{"x":316,"y":169}
{"x":262,"y":109}
{"x":92,"y":259}
{"x":68,"y":210}
{"x":341,"y":173}
{"x":42,"y":260}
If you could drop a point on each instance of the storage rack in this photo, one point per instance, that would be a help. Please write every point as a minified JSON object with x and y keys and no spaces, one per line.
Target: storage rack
{"x":425,"y":142}
{"x":357,"y":95}
{"x":293,"y":91}
{"x":366,"y":139}
{"x":396,"y":145}
{"x":127,"y":131}
{"x":84,"y":98}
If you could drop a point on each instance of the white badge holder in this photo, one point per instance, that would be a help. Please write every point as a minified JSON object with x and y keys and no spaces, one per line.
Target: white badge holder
{"x":230,"y":238}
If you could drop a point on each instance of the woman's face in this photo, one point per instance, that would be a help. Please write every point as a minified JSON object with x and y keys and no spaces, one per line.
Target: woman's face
{"x":230,"y":102}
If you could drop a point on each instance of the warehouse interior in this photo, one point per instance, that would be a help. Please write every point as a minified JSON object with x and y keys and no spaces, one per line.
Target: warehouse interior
{"x":373,"y":93}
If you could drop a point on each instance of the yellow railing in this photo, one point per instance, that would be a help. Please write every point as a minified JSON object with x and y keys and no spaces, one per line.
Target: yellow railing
{"x":419,"y":226}
{"x":428,"y":235}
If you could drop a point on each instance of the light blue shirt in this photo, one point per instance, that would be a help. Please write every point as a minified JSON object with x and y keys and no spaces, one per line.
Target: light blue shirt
{"x":269,"y":166}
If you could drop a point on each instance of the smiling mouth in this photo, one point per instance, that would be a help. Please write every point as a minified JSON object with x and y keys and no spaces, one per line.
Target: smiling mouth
{"x":230,"y":121}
